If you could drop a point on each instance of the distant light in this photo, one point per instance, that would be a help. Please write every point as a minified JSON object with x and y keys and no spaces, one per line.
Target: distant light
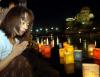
{"x":80,"y":40}
{"x":79,"y":32}
{"x":94,"y":28}
{"x":51,"y":36}
{"x":57,"y":41}
{"x":44,"y":41}
{"x":57,"y":28}
{"x":52,"y":28}
{"x":67,"y":28}
{"x":95,"y":42}
{"x":37,"y":40}
{"x":41,"y":29}
{"x":70,"y":19}
{"x":31,"y":30}
{"x":83,"y":22}
{"x":46,"y":29}
{"x":91,"y":15}
{"x":37,"y":30}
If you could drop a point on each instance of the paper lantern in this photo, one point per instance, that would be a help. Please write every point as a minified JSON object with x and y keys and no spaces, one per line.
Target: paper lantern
{"x":46,"y":51}
{"x":69,"y":57}
{"x":65,"y":44}
{"x":66,"y":54}
{"x":90,"y":70}
{"x":69,"y":68}
{"x":61,"y":55}
{"x":90,"y":50}
{"x":96,"y":53}
{"x":78,"y":55}
{"x":61,"y":52}
{"x":40,"y":46}
{"x":70,"y":48}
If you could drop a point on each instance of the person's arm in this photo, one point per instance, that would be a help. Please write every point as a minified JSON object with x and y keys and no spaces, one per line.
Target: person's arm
{"x":6,"y":61}
{"x":17,"y":50}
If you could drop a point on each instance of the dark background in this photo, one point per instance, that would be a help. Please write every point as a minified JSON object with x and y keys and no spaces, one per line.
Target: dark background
{"x":56,"y":11}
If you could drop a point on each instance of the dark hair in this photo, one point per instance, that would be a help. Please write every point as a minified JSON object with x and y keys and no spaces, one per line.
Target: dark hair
{"x":12,"y":19}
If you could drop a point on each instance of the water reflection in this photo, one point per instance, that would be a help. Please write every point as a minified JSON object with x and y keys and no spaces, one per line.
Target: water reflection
{"x":69,"y":68}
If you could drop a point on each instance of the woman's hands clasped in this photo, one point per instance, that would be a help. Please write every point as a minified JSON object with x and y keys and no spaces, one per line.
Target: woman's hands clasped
{"x":19,"y":48}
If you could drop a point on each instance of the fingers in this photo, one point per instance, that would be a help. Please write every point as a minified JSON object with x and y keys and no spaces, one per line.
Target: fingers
{"x":21,"y":46}
{"x":22,"y":43}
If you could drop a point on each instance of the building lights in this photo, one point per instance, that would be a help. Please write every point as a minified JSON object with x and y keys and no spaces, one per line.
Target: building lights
{"x":94,"y":28}
{"x":67,"y":28}
{"x":52,"y":28}
{"x":41,"y":29}
{"x":46,"y":29}
{"x":70,"y":19}
{"x":37,"y":30}
{"x":57,"y":28}
{"x":79,"y":32}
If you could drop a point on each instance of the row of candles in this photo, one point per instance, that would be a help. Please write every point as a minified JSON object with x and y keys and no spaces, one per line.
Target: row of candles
{"x":68,"y":51}
{"x":68,"y":56}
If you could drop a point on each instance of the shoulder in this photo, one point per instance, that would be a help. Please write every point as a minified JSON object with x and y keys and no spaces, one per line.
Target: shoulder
{"x":4,"y":40}
{"x":5,"y":45}
{"x":3,"y":37}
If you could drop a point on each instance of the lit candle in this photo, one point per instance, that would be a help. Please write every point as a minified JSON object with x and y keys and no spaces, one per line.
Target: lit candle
{"x":57,"y":41}
{"x":78,"y":55}
{"x":47,"y":41}
{"x":37,"y":40}
{"x":90,"y":50}
{"x":96,"y":53}
{"x":69,"y":57}
{"x":61,"y":55}
{"x":90,"y":70}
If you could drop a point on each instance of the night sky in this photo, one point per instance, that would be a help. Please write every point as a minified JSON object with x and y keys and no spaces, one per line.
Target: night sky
{"x":56,"y":11}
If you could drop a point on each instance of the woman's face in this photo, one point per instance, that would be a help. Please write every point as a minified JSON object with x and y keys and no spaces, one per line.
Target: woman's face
{"x":24,"y":23}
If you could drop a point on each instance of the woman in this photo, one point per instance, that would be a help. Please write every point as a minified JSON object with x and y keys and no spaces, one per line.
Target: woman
{"x":14,"y":31}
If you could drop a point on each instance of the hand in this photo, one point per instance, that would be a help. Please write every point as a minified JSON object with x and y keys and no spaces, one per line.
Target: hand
{"x":19,"y":48}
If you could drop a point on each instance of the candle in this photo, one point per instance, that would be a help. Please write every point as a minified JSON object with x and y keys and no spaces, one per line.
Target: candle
{"x":96,"y":55}
{"x":90,"y":50}
{"x":69,"y":57}
{"x":78,"y":55}
{"x":61,"y":55}
{"x":90,"y":70}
